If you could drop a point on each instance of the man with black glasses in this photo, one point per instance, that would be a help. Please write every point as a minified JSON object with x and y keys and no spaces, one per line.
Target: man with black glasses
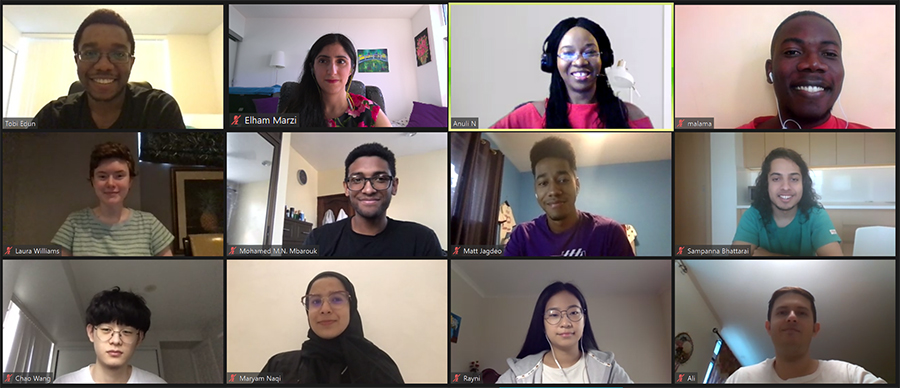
{"x":104,"y":54}
{"x":370,"y":182}
{"x":117,"y":322}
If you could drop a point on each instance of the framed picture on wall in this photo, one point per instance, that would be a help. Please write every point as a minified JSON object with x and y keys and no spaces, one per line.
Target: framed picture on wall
{"x":373,"y":61}
{"x":423,"y":49}
{"x":198,"y":203}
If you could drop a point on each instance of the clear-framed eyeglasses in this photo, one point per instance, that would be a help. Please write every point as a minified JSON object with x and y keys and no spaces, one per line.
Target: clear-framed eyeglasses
{"x":106,"y":333}
{"x":553,"y":316}
{"x":379,"y":182}
{"x":572,"y":56}
{"x":93,"y":56}
{"x":335,"y":300}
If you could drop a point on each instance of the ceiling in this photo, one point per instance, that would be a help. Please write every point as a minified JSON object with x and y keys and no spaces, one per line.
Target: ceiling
{"x":518,"y":278}
{"x":326,"y":151}
{"x":389,"y":11}
{"x":591,"y":149}
{"x":183,"y":295}
{"x":855,"y":304}
{"x":245,"y":155}
{"x":143,"y":19}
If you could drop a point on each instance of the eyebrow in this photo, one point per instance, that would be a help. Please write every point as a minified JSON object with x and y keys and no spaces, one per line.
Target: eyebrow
{"x":557,"y":308}
{"x":780,"y":174}
{"x":109,"y":172}
{"x":373,"y":174}
{"x":572,"y":46}
{"x":336,"y":56}
{"x":802,"y":42}
{"x":92,"y":45}
{"x":560,"y":172}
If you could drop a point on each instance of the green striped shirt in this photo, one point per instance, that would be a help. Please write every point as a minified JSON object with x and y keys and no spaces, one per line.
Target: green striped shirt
{"x":140,"y":235}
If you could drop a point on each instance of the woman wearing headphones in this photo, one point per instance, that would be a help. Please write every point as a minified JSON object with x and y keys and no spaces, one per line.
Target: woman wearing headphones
{"x":560,"y":347}
{"x":577,"y":53}
{"x":322,"y":98}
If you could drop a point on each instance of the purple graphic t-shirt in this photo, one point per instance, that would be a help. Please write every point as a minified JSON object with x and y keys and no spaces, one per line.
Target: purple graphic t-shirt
{"x":592,"y":236}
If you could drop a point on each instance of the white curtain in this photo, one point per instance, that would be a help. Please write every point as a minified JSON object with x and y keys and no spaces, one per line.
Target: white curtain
{"x":30,"y":348}
{"x":45,"y":68}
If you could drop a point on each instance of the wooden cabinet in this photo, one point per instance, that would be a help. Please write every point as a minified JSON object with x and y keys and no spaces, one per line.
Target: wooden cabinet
{"x":880,"y":148}
{"x":798,"y":142}
{"x":851,"y":149}
{"x":754,"y":149}
{"x":822,"y":150}
{"x":295,"y":232}
{"x":773,"y":141}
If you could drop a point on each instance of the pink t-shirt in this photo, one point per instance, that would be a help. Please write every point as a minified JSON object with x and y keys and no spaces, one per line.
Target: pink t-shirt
{"x":581,"y":116}
{"x":832,"y":123}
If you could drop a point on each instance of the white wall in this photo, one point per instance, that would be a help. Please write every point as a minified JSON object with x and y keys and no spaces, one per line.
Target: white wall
{"x":236,"y":21}
{"x":723,"y":170}
{"x":283,"y":176}
{"x":217,"y":54}
{"x":250,"y":212}
{"x":296,"y":36}
{"x":422,"y":176}
{"x":303,"y":197}
{"x":633,"y":327}
{"x":497,"y":51}
{"x":11,"y":35}
{"x":402,"y":304}
{"x":693,"y":316}
{"x":432,"y":76}
{"x":176,"y":360}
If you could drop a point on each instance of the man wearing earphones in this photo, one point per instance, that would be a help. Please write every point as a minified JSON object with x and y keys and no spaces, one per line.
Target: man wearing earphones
{"x":792,"y":324}
{"x":806,"y":71}
{"x":563,"y":230}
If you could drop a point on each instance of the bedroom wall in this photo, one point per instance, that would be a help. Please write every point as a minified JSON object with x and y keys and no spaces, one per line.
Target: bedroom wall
{"x":432,"y":76}
{"x":262,"y":36}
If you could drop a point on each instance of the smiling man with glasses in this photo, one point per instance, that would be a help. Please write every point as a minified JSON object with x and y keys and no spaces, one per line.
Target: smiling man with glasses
{"x":117,"y":322}
{"x":104,"y":55}
{"x":370,"y":182}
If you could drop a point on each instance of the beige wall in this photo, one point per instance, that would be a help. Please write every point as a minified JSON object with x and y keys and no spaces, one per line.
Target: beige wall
{"x":733,"y":87}
{"x":194,"y":80}
{"x":402,"y":304}
{"x":250,"y":213}
{"x":217,"y":54}
{"x":302,"y":197}
{"x":421,"y":193}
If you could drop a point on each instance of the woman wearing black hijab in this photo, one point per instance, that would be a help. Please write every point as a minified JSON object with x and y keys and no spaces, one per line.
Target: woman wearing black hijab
{"x":336,"y":352}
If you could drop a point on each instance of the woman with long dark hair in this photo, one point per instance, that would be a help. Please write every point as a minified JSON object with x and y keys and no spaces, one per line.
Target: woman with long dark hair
{"x":337,"y":352}
{"x":560,"y":346}
{"x":576,"y":55}
{"x":323,"y":97}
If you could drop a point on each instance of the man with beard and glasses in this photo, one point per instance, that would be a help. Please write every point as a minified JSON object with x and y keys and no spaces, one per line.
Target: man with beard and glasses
{"x":104,"y":55}
{"x":792,"y":324}
{"x":563,"y":230}
{"x":773,"y":225}
{"x":371,"y":180}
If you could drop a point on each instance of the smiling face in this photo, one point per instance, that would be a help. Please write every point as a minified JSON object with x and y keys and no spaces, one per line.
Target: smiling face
{"x":580,"y":74}
{"x":111,"y":181}
{"x":114,"y":352}
{"x":333,"y":67}
{"x":330,"y":319}
{"x":104,"y":80}
{"x":556,"y":187}
{"x":565,"y":333}
{"x":791,"y":324}
{"x":369,"y":202}
{"x":785,"y":184}
{"x":807,"y":69}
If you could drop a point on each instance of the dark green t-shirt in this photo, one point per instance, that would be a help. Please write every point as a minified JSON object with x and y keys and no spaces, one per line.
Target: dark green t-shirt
{"x":802,"y":237}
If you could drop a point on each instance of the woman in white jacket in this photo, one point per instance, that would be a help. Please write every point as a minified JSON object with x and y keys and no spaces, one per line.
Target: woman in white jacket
{"x":560,"y":347}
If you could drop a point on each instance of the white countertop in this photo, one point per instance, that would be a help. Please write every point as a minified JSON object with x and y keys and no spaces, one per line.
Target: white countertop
{"x":851,"y":205}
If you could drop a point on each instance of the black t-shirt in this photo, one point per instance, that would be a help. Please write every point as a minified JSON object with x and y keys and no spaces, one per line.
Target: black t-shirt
{"x":398,"y":239}
{"x":143,"y":109}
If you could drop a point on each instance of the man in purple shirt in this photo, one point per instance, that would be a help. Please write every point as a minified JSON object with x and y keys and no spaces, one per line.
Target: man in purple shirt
{"x":563,"y":230}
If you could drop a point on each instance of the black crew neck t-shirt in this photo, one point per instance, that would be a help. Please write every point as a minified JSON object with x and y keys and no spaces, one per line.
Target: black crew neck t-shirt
{"x":143,"y":109}
{"x":398,"y":239}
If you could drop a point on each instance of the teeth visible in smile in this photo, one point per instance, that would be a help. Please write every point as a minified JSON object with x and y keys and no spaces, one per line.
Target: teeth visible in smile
{"x":580,"y":74}
{"x":785,"y":196}
{"x":811,"y":89}
{"x":103,"y":80}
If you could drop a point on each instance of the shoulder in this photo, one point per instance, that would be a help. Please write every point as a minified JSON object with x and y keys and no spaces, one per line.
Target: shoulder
{"x":60,"y":112}
{"x":150,"y":95}
{"x":756,"y":123}
{"x":360,"y":101}
{"x":601,"y":222}
{"x":286,"y":358}
{"x":81,"y":376}
{"x":634,"y":113}
{"x":525,"y":115}
{"x":144,"y":216}
{"x":529,"y":226}
{"x":141,"y":376}
{"x":332,"y":229}
{"x":411,"y":227}
{"x":602,"y":356}
{"x":850,"y":373}
{"x":523,"y":365}
{"x":80,"y":216}
{"x":751,"y":373}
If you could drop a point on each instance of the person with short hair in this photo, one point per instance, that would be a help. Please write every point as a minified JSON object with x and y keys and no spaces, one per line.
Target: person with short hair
{"x":370,"y":182}
{"x":792,"y":323}
{"x":563,"y":230}
{"x":806,"y":71}
{"x":104,"y":55}
{"x":111,"y":229}
{"x":117,"y":322}
{"x":560,"y":347}
{"x":786,"y":217}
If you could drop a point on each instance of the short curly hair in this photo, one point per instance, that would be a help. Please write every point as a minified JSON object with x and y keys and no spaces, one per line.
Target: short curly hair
{"x":111,"y":150}
{"x":552,"y":147}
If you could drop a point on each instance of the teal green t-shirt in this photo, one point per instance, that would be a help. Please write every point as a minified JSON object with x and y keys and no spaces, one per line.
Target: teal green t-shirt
{"x":802,"y":237}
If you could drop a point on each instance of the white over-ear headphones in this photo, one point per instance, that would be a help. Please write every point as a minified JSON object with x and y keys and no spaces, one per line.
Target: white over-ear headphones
{"x":770,"y":77}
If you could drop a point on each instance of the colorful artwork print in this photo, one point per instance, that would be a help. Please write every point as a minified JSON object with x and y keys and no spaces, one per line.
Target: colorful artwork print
{"x":423,"y":51}
{"x":373,"y":61}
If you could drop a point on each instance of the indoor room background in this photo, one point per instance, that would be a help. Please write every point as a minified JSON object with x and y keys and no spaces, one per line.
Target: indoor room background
{"x":733,"y":88}
{"x":184,"y":343}
{"x":178,"y":49}
{"x":292,"y":29}
{"x":629,"y":305}
{"x":732,"y":296}
{"x":496,"y":51}
{"x":402,"y":303}
{"x":624,"y":176}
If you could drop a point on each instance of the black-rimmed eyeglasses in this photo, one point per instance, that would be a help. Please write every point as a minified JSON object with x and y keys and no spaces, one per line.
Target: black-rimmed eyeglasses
{"x":93,"y":56}
{"x":379,"y":182}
